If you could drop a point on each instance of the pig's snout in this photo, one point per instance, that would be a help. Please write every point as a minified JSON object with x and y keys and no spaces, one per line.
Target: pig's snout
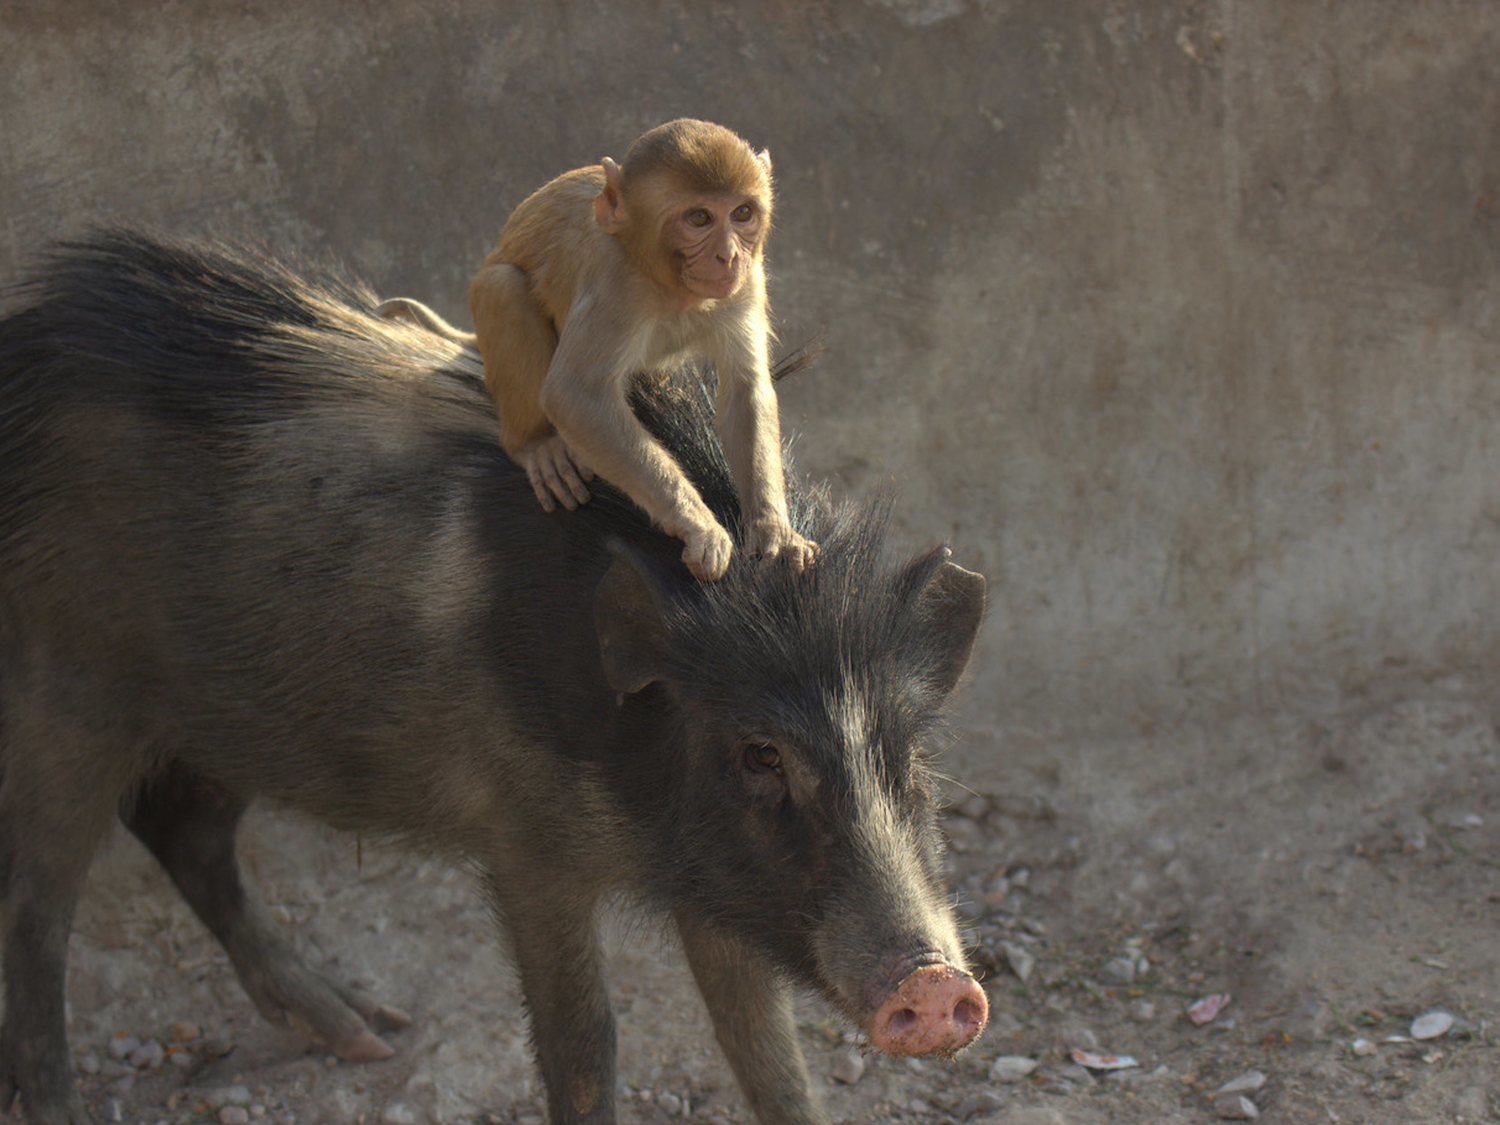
{"x":933,"y":1011}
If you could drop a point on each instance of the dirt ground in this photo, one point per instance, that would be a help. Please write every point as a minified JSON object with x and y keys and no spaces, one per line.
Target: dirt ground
{"x":1332,"y":868}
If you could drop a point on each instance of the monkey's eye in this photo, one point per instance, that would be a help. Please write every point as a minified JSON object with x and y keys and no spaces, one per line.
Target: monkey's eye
{"x":698,"y":217}
{"x":743,"y":213}
{"x":762,"y":757}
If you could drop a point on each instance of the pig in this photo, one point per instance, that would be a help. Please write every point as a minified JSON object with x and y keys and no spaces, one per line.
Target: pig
{"x":257,"y":543}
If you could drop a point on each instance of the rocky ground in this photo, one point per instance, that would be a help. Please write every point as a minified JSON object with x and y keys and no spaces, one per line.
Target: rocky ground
{"x":1330,"y":869}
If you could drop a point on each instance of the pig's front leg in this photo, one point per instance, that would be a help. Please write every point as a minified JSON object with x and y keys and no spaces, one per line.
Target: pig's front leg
{"x":751,"y":1008}
{"x":555,"y":946}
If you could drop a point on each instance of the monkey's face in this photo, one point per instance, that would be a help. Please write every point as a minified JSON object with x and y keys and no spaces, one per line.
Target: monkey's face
{"x":715,"y":241}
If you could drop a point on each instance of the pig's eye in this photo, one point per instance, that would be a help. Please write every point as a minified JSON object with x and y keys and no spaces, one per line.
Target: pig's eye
{"x":762,"y":757}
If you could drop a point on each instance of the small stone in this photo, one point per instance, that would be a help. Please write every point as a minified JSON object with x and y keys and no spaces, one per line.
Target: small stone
{"x":918,"y":1106}
{"x":1020,"y":961}
{"x":398,"y":1114}
{"x":1236,"y":1107}
{"x":1076,"y":1037}
{"x":1363,"y":1047}
{"x":670,"y":1104}
{"x":531,"y":1119}
{"x":234,"y":1115}
{"x":1119,"y":970}
{"x":981,"y":1101}
{"x":1011,"y":1068}
{"x":113,"y":1111}
{"x":121,"y":1044}
{"x":185,"y":1032}
{"x":1143,"y":1011}
{"x":148,"y":1056}
{"x":257,"y":1110}
{"x":183,"y":1060}
{"x":89,"y":1064}
{"x":1246,"y":1083}
{"x":1431,"y":1025}
{"x":848,"y":1067}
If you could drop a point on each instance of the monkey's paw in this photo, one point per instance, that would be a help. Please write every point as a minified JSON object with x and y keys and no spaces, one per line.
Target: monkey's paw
{"x":771,"y":539}
{"x":556,"y":475}
{"x":706,"y":551}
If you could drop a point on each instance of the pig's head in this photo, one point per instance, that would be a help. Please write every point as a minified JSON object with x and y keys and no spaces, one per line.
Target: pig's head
{"x":798,"y":800}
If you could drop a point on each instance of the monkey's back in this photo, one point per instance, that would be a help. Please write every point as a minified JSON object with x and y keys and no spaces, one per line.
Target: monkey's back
{"x":552,"y":237}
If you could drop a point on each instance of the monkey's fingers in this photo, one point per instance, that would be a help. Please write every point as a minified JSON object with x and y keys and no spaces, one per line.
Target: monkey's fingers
{"x":556,"y":470}
{"x":572,"y":478}
{"x":539,"y":485}
{"x":801,"y":555}
{"x":706,"y":552}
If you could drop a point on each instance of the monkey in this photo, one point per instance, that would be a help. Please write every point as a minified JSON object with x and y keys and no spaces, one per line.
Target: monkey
{"x":615,"y":269}
{"x":416,"y":313}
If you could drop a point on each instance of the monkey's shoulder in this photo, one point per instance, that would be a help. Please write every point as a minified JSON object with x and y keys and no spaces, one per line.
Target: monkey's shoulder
{"x":556,"y":218}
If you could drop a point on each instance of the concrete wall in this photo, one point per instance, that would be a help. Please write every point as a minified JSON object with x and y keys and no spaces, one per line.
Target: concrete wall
{"x":1180,"y":319}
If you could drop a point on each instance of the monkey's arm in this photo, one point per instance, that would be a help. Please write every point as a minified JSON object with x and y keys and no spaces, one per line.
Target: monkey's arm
{"x":749,"y":424}
{"x":516,"y":339}
{"x":584,"y":395}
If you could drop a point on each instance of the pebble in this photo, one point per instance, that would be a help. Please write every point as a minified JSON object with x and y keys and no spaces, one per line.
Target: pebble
{"x":1119,"y":970}
{"x":848,"y":1067}
{"x":185,"y":1032}
{"x":1236,"y":1107}
{"x":148,"y":1056}
{"x":112,"y":1111}
{"x":1363,"y":1047}
{"x":89,"y":1064}
{"x":1431,"y":1025}
{"x":1011,"y":1068}
{"x":183,"y":1060}
{"x":1143,"y":1011}
{"x":122,"y":1044}
{"x":670,"y":1104}
{"x":398,"y":1114}
{"x":1020,"y":961}
{"x":981,"y":1101}
{"x":1246,"y":1083}
{"x":234,"y":1115}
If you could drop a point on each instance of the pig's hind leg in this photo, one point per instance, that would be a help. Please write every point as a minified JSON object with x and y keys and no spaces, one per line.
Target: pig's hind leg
{"x":189,"y":822}
{"x":54,"y":810}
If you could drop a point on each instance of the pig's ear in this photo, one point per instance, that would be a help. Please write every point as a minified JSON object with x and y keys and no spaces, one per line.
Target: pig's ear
{"x":627,"y":615}
{"x":948,"y":603}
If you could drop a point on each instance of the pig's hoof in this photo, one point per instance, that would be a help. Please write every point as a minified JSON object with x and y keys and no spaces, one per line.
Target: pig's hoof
{"x":936,"y":1010}
{"x":364,"y":1046}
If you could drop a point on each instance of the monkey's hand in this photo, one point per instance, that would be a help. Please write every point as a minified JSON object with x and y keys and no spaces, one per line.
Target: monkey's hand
{"x":706,"y":550}
{"x":557,"y":477}
{"x":772,"y":538}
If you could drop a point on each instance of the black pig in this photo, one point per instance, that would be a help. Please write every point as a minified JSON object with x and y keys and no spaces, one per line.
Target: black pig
{"x":257,"y":543}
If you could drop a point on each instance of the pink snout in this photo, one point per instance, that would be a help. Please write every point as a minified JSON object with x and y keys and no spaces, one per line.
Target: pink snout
{"x":934,"y":1011}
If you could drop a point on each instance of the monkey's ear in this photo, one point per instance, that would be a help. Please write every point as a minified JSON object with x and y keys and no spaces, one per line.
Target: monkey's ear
{"x":609,"y":204}
{"x":627,"y":616}
{"x":764,"y":156}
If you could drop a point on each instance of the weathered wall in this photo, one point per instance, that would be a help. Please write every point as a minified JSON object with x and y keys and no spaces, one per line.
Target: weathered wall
{"x":1179,"y":319}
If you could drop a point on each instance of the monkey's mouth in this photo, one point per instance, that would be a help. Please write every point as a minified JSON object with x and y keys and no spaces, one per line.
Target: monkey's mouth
{"x":717,"y":286}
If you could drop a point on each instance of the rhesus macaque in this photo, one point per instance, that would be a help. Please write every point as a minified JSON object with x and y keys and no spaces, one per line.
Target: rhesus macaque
{"x":415,"y":312}
{"x":612,"y":270}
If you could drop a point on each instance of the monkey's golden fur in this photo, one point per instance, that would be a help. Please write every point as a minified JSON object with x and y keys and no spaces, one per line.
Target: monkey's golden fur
{"x":608,"y":271}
